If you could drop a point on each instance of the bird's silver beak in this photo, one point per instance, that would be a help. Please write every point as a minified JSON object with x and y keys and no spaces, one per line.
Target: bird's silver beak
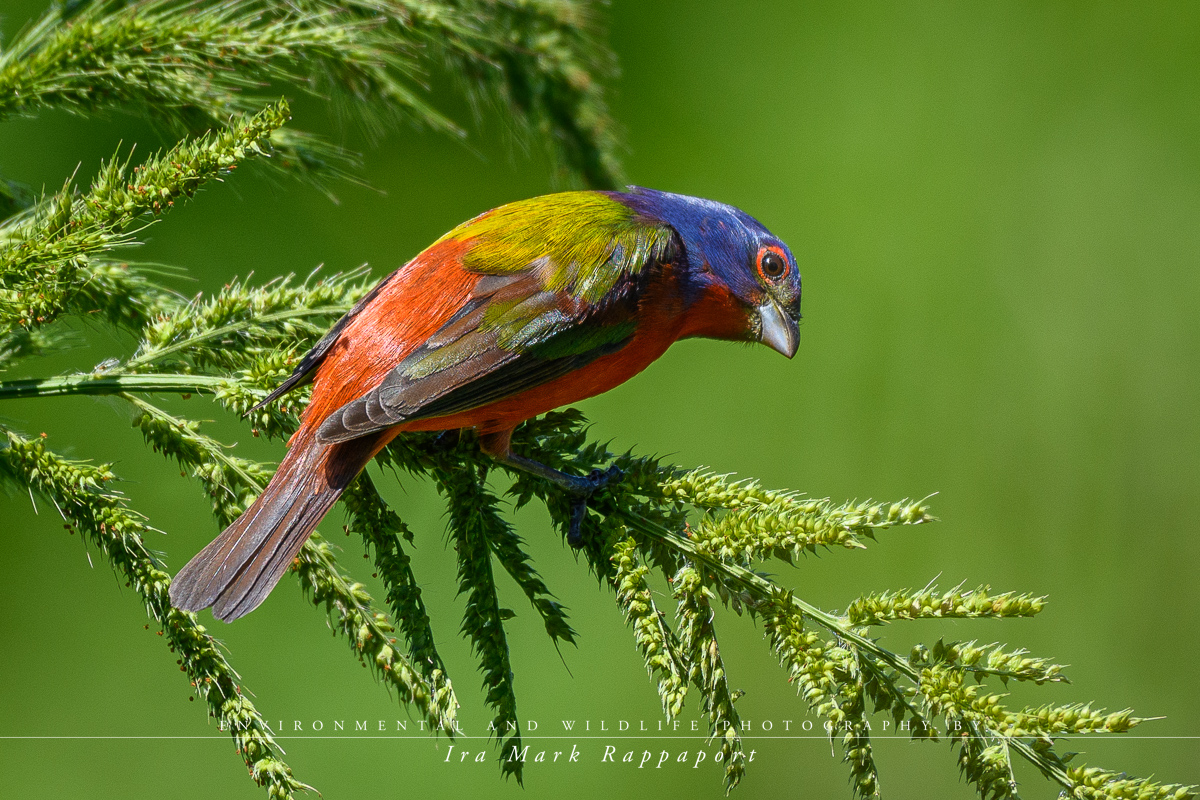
{"x":779,"y":331}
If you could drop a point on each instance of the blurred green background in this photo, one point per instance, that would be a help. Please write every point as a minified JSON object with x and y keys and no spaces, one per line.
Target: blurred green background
{"x":996,"y":209}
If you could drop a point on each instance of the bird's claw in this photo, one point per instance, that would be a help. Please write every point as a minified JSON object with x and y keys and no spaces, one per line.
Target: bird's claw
{"x":599,"y":478}
{"x":575,"y":530}
{"x":596,"y":480}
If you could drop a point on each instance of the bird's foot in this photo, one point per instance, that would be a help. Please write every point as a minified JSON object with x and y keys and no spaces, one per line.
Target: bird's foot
{"x":586,"y":487}
{"x":579,"y":489}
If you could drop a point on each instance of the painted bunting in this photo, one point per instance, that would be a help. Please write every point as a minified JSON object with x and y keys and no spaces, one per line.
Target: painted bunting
{"x":527,"y":307}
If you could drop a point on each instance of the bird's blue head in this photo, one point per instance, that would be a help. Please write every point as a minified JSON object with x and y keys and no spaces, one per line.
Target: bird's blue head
{"x":725,"y":247}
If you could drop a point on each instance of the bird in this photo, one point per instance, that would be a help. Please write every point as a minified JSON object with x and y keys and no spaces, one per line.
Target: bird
{"x":528,"y":307}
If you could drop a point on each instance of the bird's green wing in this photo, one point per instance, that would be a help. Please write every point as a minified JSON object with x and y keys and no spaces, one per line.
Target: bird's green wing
{"x":559,"y":285}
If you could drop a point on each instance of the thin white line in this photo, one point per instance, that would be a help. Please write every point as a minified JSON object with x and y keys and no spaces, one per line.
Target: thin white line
{"x":605,"y":738}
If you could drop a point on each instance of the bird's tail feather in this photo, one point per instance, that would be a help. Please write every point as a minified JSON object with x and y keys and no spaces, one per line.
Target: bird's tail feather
{"x":238,"y":569}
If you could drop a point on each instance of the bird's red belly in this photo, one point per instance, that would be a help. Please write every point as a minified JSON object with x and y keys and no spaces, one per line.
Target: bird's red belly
{"x":596,"y":378}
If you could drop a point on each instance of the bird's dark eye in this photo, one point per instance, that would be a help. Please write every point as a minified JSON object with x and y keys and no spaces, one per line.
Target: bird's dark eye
{"x":772,"y":264}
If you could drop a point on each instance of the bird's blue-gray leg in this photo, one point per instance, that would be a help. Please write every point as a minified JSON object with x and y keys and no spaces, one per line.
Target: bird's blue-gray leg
{"x":498,"y":446}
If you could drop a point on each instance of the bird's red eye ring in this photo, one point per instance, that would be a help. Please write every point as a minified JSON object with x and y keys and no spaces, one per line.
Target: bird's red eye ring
{"x":772,"y":264}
